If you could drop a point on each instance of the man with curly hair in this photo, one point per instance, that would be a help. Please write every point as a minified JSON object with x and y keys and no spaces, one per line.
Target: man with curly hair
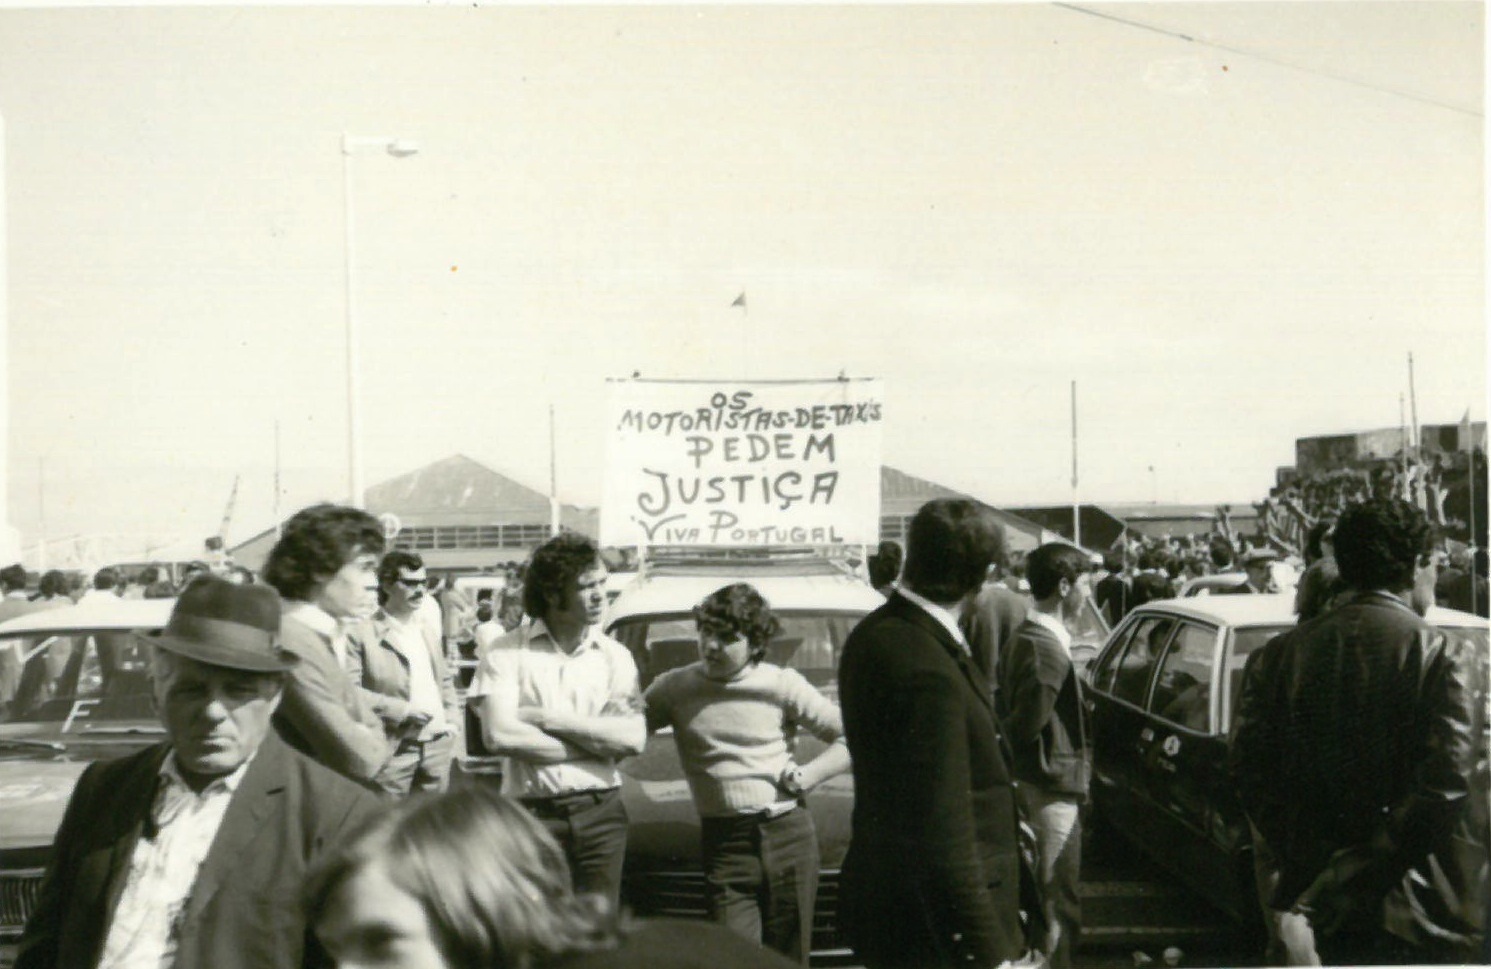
{"x":735,"y":718}
{"x":559,"y":700}
{"x":1354,"y":743}
{"x":325,"y":567}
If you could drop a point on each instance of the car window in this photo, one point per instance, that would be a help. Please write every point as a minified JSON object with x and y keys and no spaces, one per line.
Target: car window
{"x":1130,"y":672}
{"x":75,"y":681}
{"x":809,"y":643}
{"x":1243,"y":643}
{"x":1107,"y":666}
{"x":1182,"y":692}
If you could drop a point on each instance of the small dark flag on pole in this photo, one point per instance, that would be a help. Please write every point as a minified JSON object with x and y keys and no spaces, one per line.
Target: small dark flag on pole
{"x":740,"y":301}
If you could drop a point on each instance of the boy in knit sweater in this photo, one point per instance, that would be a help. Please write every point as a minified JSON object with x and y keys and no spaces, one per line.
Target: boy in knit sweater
{"x":734,"y":718}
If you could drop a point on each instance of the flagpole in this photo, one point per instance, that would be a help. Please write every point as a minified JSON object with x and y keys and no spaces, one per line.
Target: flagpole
{"x":1413,"y":405}
{"x":1076,"y":507}
{"x":1403,"y":433}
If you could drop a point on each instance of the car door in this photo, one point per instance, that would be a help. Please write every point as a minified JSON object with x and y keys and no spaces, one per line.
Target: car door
{"x":1184,"y":763}
{"x":1116,"y":694}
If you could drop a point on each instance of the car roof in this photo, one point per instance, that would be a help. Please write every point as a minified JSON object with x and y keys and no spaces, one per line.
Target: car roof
{"x":1273,"y":610}
{"x":94,"y":614}
{"x":674,"y":592}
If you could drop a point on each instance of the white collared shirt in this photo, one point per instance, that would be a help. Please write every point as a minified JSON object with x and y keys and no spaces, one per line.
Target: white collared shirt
{"x":1055,"y":626}
{"x":530,"y":666}
{"x":409,"y":638}
{"x":946,"y":617}
{"x":320,"y":622}
{"x":146,"y":924}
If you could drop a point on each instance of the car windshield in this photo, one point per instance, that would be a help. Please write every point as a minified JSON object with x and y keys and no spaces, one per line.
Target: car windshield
{"x":810,"y":642}
{"x":76,"y":681}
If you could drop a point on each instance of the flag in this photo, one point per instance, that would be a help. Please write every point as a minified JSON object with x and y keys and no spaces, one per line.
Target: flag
{"x":1467,"y":442}
{"x":739,"y":301}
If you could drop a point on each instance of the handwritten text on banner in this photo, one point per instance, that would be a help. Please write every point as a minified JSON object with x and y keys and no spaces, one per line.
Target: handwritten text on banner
{"x":743,"y":463}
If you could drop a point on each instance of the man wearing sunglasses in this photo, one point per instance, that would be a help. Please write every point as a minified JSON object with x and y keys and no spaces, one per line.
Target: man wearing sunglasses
{"x":401,"y":672}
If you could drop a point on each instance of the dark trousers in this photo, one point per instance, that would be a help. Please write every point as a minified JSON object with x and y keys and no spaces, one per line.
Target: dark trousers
{"x":761,"y":878}
{"x":591,"y":828}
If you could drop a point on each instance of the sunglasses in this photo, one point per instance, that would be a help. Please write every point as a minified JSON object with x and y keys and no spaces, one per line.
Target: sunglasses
{"x":412,"y":583}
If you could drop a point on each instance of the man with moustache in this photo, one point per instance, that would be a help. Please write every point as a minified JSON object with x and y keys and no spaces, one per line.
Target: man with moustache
{"x":191,"y":854}
{"x":401,"y":673}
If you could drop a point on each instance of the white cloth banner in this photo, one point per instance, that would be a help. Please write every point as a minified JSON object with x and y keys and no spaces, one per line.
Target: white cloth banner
{"x":742,"y":464}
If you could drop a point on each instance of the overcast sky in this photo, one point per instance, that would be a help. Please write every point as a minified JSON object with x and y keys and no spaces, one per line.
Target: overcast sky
{"x":1228,"y":242}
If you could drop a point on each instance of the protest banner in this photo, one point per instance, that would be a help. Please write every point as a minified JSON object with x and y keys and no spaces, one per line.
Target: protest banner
{"x":742,"y":463}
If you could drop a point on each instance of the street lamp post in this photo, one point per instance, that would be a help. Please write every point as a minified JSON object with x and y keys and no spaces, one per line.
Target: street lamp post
{"x":352,"y":144}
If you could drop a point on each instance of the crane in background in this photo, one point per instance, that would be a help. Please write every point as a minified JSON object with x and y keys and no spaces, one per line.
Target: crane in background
{"x":218,"y":544}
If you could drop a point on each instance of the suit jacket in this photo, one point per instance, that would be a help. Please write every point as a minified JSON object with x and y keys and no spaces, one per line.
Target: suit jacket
{"x":380,"y":674}
{"x":1045,"y":721}
{"x":1114,"y":595}
{"x":932,"y":876}
{"x":322,"y":715}
{"x":245,"y":908}
{"x":989,"y":625}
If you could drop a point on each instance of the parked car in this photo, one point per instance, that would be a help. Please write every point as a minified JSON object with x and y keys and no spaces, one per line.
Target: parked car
{"x":74,"y":688}
{"x":1160,"y":696}
{"x":818,"y":601}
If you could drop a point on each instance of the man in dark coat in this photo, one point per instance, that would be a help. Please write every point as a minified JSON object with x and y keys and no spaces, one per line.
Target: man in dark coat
{"x":1048,"y":735}
{"x":989,"y":624}
{"x":1354,"y":744}
{"x":932,"y":876}
{"x":191,"y":853}
{"x":1114,"y":593}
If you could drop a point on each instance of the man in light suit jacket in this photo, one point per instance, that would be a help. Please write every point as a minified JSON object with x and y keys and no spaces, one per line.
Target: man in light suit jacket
{"x":400,"y":670}
{"x":325,"y":566}
{"x":191,"y":853}
{"x":932,"y":877}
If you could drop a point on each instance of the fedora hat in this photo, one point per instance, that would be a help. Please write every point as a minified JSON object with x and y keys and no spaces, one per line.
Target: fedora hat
{"x":221,"y":623}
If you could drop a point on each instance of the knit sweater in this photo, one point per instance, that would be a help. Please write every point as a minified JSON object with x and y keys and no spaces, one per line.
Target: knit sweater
{"x":734,"y":736}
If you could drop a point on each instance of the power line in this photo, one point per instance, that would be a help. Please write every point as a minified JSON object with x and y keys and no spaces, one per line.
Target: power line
{"x":1276,"y":61}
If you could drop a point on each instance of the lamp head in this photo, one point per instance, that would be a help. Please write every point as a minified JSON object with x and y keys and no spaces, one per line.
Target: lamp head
{"x":403,"y":148}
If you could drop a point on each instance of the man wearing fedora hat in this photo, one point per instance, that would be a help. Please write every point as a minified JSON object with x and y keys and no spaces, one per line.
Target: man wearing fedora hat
{"x":191,"y":853}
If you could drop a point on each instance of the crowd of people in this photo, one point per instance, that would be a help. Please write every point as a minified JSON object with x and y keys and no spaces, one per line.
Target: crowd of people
{"x":300,"y":810}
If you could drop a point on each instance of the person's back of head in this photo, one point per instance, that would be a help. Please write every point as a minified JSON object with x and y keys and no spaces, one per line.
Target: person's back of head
{"x":950,"y":545}
{"x":106,"y":579}
{"x":1379,"y":542}
{"x":13,"y":578}
{"x":1221,"y":554}
{"x":493,"y":884}
{"x":1113,"y":561}
{"x":53,"y":584}
{"x":885,"y":564}
{"x":1048,"y":565}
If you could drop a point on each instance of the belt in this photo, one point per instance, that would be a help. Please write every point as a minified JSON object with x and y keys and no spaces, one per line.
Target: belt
{"x":564,"y":805}
{"x":770,"y":813}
